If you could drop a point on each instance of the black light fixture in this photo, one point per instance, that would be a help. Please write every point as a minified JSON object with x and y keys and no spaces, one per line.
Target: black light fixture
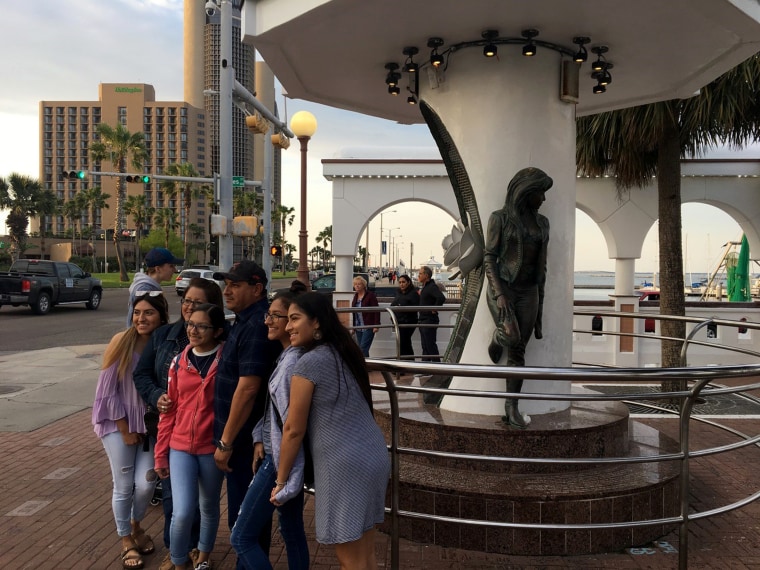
{"x":603,"y":77}
{"x":581,"y":55}
{"x":409,"y":65}
{"x":529,"y":49}
{"x":489,"y":42}
{"x":599,"y":64}
{"x":436,"y":59}
{"x":490,"y":49}
{"x":393,"y":76}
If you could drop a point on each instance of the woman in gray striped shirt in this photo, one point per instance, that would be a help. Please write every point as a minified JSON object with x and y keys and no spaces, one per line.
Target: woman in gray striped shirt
{"x":330,"y":396}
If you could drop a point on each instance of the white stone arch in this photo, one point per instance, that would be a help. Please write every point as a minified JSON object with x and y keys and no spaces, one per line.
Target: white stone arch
{"x":732,"y":186}
{"x":362,"y":188}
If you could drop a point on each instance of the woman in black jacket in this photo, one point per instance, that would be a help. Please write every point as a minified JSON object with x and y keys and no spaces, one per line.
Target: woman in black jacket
{"x":407,"y":296}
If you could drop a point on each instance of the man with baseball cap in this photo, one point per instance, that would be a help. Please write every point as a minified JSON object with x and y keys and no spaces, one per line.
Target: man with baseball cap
{"x":161,"y":265}
{"x":246,"y":362}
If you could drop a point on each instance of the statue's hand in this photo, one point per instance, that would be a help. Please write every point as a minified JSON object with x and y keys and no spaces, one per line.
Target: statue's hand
{"x":502,"y":303}
{"x":537,"y":330}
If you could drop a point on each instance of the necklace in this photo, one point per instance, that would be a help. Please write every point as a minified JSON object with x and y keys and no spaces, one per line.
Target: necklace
{"x":202,"y":361}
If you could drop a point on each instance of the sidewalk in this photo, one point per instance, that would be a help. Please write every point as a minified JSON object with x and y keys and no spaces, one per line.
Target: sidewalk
{"x":55,"y":490}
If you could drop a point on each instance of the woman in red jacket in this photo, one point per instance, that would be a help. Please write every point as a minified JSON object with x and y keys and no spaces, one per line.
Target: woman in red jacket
{"x":364,"y":298}
{"x":185,"y":446}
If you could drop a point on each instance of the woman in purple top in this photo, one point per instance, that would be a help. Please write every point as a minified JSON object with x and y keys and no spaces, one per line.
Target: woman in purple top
{"x":117,"y":415}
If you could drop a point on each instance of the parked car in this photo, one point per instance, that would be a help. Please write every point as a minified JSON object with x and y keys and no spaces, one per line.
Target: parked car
{"x":326,"y":283}
{"x":42,"y":284}
{"x":184,"y":277}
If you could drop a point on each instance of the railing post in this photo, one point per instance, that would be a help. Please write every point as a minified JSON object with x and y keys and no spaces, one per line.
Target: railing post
{"x":395,"y":486}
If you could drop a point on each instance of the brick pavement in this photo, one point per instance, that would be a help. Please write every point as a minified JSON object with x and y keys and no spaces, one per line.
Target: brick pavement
{"x":55,"y":513}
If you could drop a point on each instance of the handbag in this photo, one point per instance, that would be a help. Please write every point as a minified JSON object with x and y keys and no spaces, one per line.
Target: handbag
{"x":151,"y":421}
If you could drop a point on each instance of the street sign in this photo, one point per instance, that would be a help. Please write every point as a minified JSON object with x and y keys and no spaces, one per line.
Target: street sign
{"x":238,"y":181}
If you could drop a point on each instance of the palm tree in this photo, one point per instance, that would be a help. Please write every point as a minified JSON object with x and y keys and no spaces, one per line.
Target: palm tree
{"x":638,"y":143}
{"x":72,"y":211}
{"x":284,"y":216}
{"x":325,"y":237}
{"x":199,"y":233}
{"x":142,"y":214}
{"x":48,"y":205}
{"x":22,"y":195}
{"x":166,"y":218}
{"x":188,"y":190}
{"x":94,"y":199}
{"x":244,"y":203}
{"x":117,"y":146}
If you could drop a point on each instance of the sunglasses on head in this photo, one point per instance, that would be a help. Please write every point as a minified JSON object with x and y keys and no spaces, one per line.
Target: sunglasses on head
{"x":148,"y":293}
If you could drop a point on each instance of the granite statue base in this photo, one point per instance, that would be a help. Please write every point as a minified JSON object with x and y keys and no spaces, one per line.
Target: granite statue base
{"x":531,"y":493}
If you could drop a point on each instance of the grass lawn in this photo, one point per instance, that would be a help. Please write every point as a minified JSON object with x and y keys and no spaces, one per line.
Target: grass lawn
{"x":111,"y":281}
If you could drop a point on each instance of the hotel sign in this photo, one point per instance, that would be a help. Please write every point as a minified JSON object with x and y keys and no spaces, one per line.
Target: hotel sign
{"x":128,"y":90}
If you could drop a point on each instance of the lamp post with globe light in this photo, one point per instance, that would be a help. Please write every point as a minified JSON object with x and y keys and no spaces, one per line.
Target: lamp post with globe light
{"x":304,"y":125}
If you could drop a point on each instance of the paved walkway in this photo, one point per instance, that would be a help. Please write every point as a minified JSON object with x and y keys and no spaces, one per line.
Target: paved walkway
{"x":55,"y":483}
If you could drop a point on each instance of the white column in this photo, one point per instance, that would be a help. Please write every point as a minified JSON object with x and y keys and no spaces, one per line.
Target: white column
{"x":344,"y":273}
{"x":624,"y":276}
{"x":506,"y":115}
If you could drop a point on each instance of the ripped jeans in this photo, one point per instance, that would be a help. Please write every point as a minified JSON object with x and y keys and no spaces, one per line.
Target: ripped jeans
{"x":131,"y":490}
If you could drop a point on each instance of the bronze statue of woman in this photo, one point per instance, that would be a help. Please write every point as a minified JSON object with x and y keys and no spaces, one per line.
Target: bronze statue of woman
{"x":515,"y":266}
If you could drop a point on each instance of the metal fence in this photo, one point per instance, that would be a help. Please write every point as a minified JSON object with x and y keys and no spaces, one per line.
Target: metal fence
{"x":696,"y":380}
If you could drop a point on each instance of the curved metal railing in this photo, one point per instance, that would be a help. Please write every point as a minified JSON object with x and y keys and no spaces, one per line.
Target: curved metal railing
{"x":697,"y":379}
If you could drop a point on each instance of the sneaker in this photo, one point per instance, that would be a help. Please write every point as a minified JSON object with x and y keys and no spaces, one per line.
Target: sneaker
{"x":203,"y":566}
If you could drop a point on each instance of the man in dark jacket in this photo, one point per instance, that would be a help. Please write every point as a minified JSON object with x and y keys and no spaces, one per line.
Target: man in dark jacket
{"x":430,"y":295}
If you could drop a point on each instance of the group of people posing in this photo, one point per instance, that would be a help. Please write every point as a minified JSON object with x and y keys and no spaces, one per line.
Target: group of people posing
{"x":281,"y":392}
{"x":366,"y":323}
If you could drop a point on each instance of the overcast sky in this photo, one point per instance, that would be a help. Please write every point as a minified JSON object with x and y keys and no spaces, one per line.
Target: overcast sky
{"x":63,"y":49}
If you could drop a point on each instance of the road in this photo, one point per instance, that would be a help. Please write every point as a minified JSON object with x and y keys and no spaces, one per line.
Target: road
{"x":69,"y":325}
{"x":73,"y":325}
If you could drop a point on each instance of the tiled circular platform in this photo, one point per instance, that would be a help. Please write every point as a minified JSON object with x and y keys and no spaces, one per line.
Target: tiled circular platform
{"x":532,"y":493}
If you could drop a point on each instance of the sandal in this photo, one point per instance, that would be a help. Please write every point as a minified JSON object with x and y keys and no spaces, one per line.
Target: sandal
{"x":144,"y":542}
{"x":131,"y":559}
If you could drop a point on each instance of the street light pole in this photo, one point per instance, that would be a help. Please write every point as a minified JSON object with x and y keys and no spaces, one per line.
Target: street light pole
{"x":390,"y":252}
{"x":226,"y":80}
{"x":380,"y":265}
{"x":304,"y":125}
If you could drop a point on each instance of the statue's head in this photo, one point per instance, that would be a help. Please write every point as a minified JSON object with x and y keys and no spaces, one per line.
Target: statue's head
{"x":527,"y":183}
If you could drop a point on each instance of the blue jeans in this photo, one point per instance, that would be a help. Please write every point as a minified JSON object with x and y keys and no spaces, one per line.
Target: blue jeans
{"x":196,"y":481}
{"x":364,"y":338}
{"x":167,"y":504}
{"x":131,"y":490}
{"x":256,"y":514}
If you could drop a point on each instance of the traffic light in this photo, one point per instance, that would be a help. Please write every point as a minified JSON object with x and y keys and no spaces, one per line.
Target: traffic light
{"x":144,"y":178}
{"x":74,"y":174}
{"x":276,"y":251}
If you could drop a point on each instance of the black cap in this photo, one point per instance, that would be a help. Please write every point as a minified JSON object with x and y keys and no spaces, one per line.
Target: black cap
{"x":246,"y":270}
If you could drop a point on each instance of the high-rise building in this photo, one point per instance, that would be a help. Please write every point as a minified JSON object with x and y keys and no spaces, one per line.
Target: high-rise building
{"x":175,"y":132}
{"x":202,"y":36}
